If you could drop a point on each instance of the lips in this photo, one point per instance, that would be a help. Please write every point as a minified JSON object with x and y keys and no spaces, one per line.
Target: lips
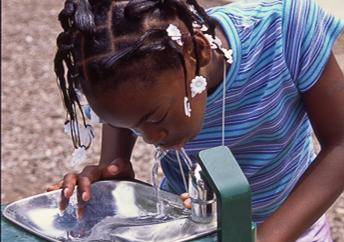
{"x":171,"y":147}
{"x":175,"y":146}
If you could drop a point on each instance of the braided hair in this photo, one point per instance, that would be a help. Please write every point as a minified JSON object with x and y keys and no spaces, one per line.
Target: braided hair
{"x":100,"y":38}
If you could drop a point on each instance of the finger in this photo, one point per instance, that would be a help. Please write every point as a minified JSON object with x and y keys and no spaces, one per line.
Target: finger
{"x":89,"y":175}
{"x":84,"y":194}
{"x":187,"y":203}
{"x":92,"y":172}
{"x":69,"y":183}
{"x":84,"y":188}
{"x":55,"y":186}
{"x":63,"y":202}
{"x":184,"y":196}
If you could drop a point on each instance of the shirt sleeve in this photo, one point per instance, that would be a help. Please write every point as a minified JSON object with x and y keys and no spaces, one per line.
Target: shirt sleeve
{"x":309,"y":34}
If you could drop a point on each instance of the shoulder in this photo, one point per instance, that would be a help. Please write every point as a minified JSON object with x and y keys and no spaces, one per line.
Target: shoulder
{"x":249,"y":10}
{"x":251,"y":21}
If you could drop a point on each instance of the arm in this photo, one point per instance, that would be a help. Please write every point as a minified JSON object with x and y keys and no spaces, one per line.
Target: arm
{"x":323,"y":182}
{"x":116,"y":148}
{"x":116,"y":143}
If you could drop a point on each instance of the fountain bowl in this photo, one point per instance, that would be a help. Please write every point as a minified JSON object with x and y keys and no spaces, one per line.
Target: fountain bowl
{"x":118,"y":211}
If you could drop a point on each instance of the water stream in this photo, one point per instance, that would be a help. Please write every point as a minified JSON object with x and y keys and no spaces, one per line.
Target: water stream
{"x":182,"y":159}
{"x":142,"y":225}
{"x":159,"y":154}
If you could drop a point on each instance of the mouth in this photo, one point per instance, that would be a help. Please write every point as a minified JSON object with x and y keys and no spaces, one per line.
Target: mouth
{"x":171,"y":147}
{"x":177,"y":146}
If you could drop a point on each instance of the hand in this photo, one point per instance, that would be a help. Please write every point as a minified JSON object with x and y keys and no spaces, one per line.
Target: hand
{"x":119,"y":169}
{"x":188,"y":204}
{"x":186,"y":200}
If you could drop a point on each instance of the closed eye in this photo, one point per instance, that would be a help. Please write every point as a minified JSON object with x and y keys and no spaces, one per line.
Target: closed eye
{"x":160,"y":120}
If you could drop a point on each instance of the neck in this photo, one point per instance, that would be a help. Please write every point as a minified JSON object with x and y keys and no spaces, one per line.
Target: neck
{"x":214,"y":70}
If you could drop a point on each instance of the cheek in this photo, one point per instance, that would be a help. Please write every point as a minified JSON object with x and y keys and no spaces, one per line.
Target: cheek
{"x":198,"y":105}
{"x":177,"y":124}
{"x":188,"y":126}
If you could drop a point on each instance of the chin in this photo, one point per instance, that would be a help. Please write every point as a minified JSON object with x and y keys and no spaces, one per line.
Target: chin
{"x":196,"y":131}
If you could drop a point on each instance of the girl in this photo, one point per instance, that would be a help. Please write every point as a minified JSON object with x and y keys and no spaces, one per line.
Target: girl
{"x":254,"y":76}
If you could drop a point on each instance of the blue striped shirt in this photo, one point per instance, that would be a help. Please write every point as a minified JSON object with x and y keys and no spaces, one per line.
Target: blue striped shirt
{"x":280,"y":49}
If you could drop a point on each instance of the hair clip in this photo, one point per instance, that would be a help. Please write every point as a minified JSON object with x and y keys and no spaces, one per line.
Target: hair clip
{"x":81,"y":97}
{"x":192,"y":9}
{"x":198,"y":85}
{"x":85,"y":132}
{"x":85,"y":135}
{"x":196,"y":25}
{"x":215,"y":43}
{"x":175,"y":34}
{"x":187,"y":107}
{"x":78,"y":156}
{"x":202,"y":27}
{"x":228,"y":54}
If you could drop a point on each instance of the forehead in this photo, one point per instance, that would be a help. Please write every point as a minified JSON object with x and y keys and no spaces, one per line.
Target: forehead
{"x":131,"y":100}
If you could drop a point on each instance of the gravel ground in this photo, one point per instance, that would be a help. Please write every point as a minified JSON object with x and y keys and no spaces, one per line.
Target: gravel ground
{"x":35,"y":150}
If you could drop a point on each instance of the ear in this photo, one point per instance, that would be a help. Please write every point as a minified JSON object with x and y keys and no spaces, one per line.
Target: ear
{"x":204,"y":50}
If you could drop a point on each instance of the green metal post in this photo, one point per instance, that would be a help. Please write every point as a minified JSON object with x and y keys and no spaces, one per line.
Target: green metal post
{"x":233,"y":194}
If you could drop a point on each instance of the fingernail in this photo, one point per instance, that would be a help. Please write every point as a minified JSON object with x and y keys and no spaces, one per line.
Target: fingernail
{"x":85,"y":197}
{"x":113,"y":169}
{"x":65,"y":191}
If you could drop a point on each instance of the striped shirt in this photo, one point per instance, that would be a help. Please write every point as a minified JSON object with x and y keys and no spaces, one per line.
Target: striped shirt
{"x":280,"y":48}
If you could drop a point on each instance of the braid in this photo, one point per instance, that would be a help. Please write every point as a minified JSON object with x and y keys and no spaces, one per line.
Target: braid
{"x":106,"y":34}
{"x":73,"y":18}
{"x":66,"y":15}
{"x":186,"y":16}
{"x":136,"y":9}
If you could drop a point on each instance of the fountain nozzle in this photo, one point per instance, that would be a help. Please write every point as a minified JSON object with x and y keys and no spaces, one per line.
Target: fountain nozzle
{"x":203,"y":199}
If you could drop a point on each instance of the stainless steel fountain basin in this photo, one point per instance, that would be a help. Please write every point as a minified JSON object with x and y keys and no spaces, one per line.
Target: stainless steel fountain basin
{"x":118,"y":211}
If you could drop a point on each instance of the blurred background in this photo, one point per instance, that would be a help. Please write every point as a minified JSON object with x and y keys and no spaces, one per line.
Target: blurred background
{"x":35,"y":151}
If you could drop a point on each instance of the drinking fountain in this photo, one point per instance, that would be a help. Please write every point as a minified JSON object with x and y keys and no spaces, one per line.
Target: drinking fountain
{"x":127,"y":210}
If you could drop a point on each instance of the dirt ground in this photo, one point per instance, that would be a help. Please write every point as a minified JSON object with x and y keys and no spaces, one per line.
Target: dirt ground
{"x":35,"y":151}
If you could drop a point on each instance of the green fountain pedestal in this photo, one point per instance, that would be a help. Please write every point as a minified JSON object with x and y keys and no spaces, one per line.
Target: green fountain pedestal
{"x":233,"y":195}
